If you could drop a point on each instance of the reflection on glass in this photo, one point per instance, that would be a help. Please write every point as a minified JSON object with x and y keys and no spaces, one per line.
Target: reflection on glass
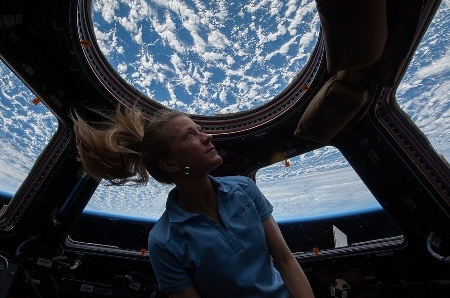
{"x":207,"y":57}
{"x":25,"y":129}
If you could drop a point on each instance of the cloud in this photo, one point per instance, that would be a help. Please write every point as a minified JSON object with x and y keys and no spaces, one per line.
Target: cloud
{"x":26,"y":130}
{"x":194,"y":51}
{"x":198,"y":59}
{"x":108,"y":9}
{"x":438,"y":68}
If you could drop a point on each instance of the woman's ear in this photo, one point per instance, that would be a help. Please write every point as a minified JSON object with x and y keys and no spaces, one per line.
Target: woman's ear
{"x":168,"y":165}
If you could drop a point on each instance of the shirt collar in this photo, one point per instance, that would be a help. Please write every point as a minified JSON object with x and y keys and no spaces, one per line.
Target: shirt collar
{"x":178,"y":214}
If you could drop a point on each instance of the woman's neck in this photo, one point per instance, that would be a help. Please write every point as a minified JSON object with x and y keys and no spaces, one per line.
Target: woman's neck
{"x":200,"y":197}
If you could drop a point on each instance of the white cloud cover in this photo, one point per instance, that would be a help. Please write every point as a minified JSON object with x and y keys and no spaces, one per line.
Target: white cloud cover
{"x":259,"y":48}
{"x":427,"y":83}
{"x":220,"y":79}
{"x":25,"y":130}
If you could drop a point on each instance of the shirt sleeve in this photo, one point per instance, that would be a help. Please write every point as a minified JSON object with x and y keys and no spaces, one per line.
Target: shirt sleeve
{"x":263,"y":206}
{"x":169,"y":273}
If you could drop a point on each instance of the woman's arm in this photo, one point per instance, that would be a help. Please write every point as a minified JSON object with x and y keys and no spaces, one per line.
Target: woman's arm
{"x":189,"y":292}
{"x":293,"y":276}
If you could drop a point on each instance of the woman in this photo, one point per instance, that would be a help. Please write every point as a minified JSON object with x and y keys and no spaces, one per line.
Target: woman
{"x":216,"y":236}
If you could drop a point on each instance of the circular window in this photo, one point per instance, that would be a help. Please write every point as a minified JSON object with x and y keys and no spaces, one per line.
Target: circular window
{"x":206,"y":57}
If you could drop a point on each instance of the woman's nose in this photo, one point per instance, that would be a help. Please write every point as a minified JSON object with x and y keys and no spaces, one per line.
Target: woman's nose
{"x":207,"y":137}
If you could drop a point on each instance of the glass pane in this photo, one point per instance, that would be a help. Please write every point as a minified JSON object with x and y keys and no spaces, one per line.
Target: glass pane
{"x":207,"y":57}
{"x":424,"y":91}
{"x":317,"y":184}
{"x":146,"y":202}
{"x":319,"y":201}
{"x":25,"y":129}
{"x":321,"y":173}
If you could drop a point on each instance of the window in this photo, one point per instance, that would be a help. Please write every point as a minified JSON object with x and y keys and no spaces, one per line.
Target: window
{"x":319,"y":194}
{"x":207,"y":57}
{"x":26,"y":129}
{"x":146,"y":202}
{"x":319,"y":201}
{"x":424,"y":91}
{"x":318,"y":184}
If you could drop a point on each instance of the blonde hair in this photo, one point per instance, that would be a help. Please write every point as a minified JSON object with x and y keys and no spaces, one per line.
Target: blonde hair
{"x":124,"y":147}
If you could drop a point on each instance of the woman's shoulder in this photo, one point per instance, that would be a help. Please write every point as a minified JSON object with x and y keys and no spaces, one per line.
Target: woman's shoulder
{"x":232,"y":180}
{"x":160,"y":229}
{"x":230,"y":184}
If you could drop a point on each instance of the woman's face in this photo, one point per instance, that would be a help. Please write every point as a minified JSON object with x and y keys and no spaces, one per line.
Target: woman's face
{"x":191,"y":147}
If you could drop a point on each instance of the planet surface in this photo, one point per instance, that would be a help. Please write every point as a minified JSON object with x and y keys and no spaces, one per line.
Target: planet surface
{"x":191,"y":56}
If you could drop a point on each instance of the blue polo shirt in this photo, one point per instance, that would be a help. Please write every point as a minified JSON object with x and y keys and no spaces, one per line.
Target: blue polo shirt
{"x":234,"y":261}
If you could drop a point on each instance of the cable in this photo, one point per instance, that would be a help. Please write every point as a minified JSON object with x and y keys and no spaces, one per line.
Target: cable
{"x":30,"y":238}
{"x":75,"y":265}
{"x":30,"y":282}
{"x":6,"y":262}
{"x":54,"y":284}
{"x":431,"y":237}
